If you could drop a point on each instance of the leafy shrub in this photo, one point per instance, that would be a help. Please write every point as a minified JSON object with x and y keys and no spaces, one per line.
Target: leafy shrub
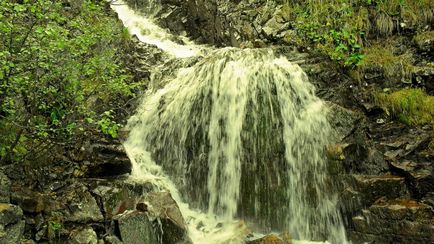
{"x":60,"y":69}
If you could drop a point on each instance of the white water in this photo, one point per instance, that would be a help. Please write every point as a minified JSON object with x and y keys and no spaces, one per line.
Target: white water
{"x":204,"y":109}
{"x":150,"y":33}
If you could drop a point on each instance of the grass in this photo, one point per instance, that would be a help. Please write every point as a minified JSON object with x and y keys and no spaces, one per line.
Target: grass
{"x":410,"y":106}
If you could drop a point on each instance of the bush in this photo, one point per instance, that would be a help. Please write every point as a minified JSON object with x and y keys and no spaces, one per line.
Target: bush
{"x":60,"y":69}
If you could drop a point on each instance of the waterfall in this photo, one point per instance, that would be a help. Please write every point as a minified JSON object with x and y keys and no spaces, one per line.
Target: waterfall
{"x":239,"y":135}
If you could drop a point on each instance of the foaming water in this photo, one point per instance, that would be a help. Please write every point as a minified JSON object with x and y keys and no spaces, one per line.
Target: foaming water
{"x":239,"y":135}
{"x":148,"y":32}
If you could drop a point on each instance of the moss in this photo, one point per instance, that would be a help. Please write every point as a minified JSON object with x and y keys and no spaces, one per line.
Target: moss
{"x":421,"y":37}
{"x":410,"y":106}
{"x":393,"y":65}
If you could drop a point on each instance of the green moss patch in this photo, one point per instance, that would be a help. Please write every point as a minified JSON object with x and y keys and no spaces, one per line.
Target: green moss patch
{"x":410,"y":106}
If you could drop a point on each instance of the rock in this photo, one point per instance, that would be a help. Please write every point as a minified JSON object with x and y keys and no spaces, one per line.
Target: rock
{"x":79,"y":205}
{"x":83,"y":236}
{"x":118,"y":196}
{"x":135,"y":228}
{"x":361,"y":158}
{"x":342,"y":120}
{"x":162,"y":206}
{"x":30,"y":201}
{"x":399,"y":221}
{"x":375,"y":187}
{"x":107,"y":159}
{"x":5,"y":188}
{"x":419,"y":175}
{"x":11,"y":223}
{"x":271,"y":239}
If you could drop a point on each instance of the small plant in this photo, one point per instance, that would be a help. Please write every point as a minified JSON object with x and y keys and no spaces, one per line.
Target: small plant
{"x":107,"y":125}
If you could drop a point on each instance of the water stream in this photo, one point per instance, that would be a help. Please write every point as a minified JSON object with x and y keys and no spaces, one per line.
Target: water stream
{"x":239,"y":135}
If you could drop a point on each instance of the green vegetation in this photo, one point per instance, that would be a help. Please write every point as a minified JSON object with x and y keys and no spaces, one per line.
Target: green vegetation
{"x":61,"y":76}
{"x":410,"y":106}
{"x":381,"y":55}
{"x":341,"y":29}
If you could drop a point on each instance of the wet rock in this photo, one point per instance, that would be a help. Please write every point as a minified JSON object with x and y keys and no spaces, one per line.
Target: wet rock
{"x":374,"y":187}
{"x":83,"y":236}
{"x":11,"y":223}
{"x":399,"y":221}
{"x":135,"y":228}
{"x":5,"y":188}
{"x":271,"y":239}
{"x":162,"y":206}
{"x":419,"y":175}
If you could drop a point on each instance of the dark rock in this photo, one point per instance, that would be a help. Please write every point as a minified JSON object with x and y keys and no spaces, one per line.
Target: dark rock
{"x":419,"y":175}
{"x":343,"y":121}
{"x":402,"y":221}
{"x":135,"y":228}
{"x":107,"y":159}
{"x":83,"y":236}
{"x":5,"y":188}
{"x":11,"y":223}
{"x":374,"y":187}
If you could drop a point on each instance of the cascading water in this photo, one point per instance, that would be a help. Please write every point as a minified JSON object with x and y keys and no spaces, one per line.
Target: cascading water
{"x":241,"y":134}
